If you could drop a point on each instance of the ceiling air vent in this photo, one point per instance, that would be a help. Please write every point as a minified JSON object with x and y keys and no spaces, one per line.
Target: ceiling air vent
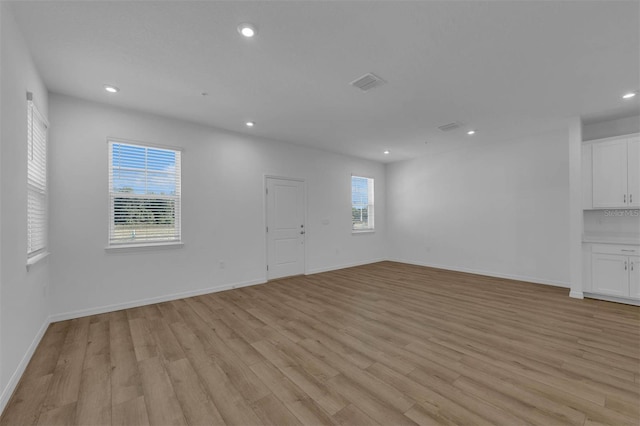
{"x":367,"y":82}
{"x":450,"y":126}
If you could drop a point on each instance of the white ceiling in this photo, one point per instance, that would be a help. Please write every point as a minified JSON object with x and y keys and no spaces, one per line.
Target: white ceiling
{"x":503,"y":67}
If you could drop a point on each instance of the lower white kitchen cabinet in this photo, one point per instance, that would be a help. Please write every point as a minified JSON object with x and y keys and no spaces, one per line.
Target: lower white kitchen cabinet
{"x":634,"y":277}
{"x":610,"y":275}
{"x":615,"y":270}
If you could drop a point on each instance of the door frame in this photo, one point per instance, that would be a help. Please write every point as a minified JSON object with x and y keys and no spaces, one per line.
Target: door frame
{"x":266,"y":177}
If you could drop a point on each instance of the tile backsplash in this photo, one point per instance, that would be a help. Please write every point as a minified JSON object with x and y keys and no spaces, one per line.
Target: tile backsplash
{"x":615,"y":222}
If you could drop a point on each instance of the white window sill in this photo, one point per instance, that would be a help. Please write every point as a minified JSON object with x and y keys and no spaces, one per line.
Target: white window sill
{"x":37,"y":258}
{"x":125,"y":248}
{"x":362,"y":231}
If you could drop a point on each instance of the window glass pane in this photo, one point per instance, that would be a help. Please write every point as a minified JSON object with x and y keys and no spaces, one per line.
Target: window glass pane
{"x":145,"y":194}
{"x":362,"y":203}
{"x":36,"y":181}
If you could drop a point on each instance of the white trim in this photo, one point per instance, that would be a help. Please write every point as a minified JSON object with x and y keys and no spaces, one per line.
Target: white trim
{"x":343,"y":266}
{"x":362,"y":231}
{"x":609,"y":138}
{"x":267,"y":176}
{"x":125,"y":248}
{"x":362,"y":176}
{"x":524,"y":278}
{"x":143,"y":144}
{"x":7,"y":392}
{"x":151,"y":300}
{"x":576,"y":212}
{"x":613,"y":299}
{"x":576,"y":294}
{"x":31,"y":261}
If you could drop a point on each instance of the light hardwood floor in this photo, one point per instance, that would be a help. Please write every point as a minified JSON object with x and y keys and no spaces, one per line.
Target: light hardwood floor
{"x":379,"y":344}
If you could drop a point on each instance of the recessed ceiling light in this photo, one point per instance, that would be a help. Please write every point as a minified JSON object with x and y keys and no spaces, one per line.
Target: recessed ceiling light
{"x":628,"y":95}
{"x":250,"y":124}
{"x":386,"y":152}
{"x":111,"y":89}
{"x":247,"y":30}
{"x":471,"y":132}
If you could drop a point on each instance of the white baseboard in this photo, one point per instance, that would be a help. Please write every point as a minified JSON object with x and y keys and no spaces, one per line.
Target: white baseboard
{"x":613,"y":299}
{"x":343,"y":266}
{"x":15,"y":377}
{"x":534,"y":280}
{"x":17,"y":374}
{"x":576,"y":294}
{"x":149,"y":301}
{"x":174,"y":296}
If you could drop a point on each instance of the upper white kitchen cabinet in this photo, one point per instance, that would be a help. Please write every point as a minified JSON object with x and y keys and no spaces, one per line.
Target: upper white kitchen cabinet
{"x":616,"y":172}
{"x":633,"y":171}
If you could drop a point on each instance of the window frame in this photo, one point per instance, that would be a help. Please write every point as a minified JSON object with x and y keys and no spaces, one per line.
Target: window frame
{"x":370,"y":206}
{"x":143,"y":244}
{"x":41,"y":191}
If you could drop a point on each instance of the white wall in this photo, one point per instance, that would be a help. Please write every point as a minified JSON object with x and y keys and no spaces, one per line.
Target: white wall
{"x":222,"y":213}
{"x":499,"y":209}
{"x":24,"y":307}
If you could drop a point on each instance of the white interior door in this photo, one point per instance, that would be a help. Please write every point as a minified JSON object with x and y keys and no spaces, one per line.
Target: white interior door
{"x":285,"y":227}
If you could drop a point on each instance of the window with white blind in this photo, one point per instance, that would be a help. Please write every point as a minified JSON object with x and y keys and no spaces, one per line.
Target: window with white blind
{"x":37,"y":216}
{"x":362,"y":212}
{"x":144,"y":194}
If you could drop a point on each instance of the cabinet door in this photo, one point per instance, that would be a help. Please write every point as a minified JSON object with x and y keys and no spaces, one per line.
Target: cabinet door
{"x":634,"y":277}
{"x":610,"y":174}
{"x":587,"y":176}
{"x":633,"y":172}
{"x":610,"y":274}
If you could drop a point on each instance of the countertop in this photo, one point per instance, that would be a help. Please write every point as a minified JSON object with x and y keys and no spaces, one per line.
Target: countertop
{"x":610,"y":238}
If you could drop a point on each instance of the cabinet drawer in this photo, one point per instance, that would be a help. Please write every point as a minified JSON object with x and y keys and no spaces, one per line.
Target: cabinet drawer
{"x":615,"y":249}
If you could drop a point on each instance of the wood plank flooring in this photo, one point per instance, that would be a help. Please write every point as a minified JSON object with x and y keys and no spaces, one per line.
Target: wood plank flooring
{"x":386,"y":343}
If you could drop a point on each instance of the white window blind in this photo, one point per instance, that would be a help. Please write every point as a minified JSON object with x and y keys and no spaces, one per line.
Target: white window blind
{"x":362,"y":211}
{"x":144,"y":194}
{"x":36,"y":181}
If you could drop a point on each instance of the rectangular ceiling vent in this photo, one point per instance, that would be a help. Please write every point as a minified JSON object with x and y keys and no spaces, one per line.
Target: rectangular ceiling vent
{"x":367,"y":82}
{"x":450,"y":126}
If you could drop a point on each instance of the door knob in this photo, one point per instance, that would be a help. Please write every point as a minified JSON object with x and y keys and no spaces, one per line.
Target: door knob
{"x":301,"y":232}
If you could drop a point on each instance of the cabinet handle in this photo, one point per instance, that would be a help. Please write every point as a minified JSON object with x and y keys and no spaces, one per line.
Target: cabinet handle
{"x":630,"y":251}
{"x":630,"y":198}
{"x":625,"y":265}
{"x":632,"y":266}
{"x":624,"y":198}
